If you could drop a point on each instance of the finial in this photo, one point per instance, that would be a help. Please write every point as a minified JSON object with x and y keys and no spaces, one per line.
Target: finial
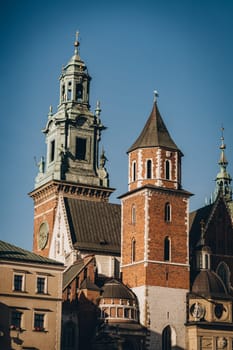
{"x":98,"y":109}
{"x":50,"y":110}
{"x":223,"y":146}
{"x":76,"y":43}
{"x":156,"y":95}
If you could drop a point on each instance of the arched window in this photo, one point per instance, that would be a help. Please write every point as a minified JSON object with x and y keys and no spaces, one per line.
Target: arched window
{"x":79,"y":92}
{"x":148,"y":169}
{"x":167,"y":249}
{"x":134,"y":171}
{"x":224,"y":273}
{"x":167,"y":170}
{"x":167,"y":212}
{"x":133,"y":250}
{"x":133,"y":215}
{"x":69,"y":91}
{"x":166,"y":339}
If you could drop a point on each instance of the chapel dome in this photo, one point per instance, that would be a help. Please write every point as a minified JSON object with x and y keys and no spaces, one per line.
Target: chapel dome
{"x":208,"y":284}
{"x":116,"y":290}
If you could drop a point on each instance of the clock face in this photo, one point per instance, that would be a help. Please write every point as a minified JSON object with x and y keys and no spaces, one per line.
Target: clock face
{"x":43,"y":235}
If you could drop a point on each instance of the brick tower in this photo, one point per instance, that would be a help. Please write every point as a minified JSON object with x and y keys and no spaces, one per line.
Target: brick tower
{"x":155,"y":227}
{"x":72,"y":167}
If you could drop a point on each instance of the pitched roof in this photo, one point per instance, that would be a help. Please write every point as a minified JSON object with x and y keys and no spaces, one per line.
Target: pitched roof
{"x":13,"y":253}
{"x":74,"y":270}
{"x":154,"y":133}
{"x":94,"y":226}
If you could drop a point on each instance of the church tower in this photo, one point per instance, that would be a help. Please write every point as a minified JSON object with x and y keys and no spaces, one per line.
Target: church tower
{"x":73,"y":166}
{"x":155,"y":227}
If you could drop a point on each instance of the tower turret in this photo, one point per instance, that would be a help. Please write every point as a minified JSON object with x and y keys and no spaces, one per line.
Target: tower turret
{"x":223,"y":178}
{"x":73,"y":133}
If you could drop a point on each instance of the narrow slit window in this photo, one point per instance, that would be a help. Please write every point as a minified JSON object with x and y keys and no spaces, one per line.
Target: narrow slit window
{"x":52,"y":150}
{"x":133,"y":215}
{"x":167,"y":248}
{"x":167,"y":212}
{"x":133,"y":250}
{"x":134,"y":171}
{"x":167,"y":170}
{"x":148,"y":169}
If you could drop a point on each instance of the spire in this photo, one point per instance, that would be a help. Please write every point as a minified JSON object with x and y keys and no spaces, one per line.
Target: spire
{"x":76,"y":44}
{"x":154,"y":133}
{"x":223,"y":179}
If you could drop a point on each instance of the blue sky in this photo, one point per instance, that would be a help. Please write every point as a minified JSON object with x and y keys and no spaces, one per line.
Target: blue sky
{"x":183,"y":49}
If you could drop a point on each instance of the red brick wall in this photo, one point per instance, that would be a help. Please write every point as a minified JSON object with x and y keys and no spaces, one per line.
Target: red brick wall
{"x":152,"y":220}
{"x":158,"y":157}
{"x":44,"y":211}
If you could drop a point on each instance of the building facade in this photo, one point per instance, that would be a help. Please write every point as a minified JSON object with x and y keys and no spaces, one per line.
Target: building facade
{"x":31,"y":300}
{"x":146,"y":274}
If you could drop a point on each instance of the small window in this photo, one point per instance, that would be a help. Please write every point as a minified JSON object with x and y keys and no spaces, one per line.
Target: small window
{"x":167,"y":249}
{"x":126,"y":313}
{"x":148,"y":169}
{"x":18,"y":283}
{"x":133,"y":171}
{"x":81,"y":145}
{"x":41,"y":285}
{"x":133,"y":215}
{"x":133,"y":250}
{"x":69,"y":91}
{"x":167,"y":170}
{"x":167,"y":212}
{"x":16,"y":318}
{"x":63,"y":92}
{"x":52,"y":150}
{"x":39,"y":321}
{"x":79,"y":92}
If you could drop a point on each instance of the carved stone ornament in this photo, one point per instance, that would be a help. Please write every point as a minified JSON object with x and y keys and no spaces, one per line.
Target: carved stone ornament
{"x":197,"y":311}
{"x":221,"y":343}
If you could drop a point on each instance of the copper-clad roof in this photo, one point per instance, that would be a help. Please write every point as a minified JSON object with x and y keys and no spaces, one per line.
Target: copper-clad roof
{"x":11,"y":252}
{"x":115,"y":289}
{"x":154,"y":133}
{"x":94,"y":226}
{"x":209,"y":284}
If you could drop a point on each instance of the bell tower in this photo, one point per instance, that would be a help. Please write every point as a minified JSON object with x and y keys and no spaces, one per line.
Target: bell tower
{"x":72,"y":166}
{"x":155,"y":228}
{"x":223,"y":179}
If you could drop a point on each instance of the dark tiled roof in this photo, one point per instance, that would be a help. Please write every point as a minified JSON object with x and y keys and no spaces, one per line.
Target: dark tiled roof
{"x":94,"y":226}
{"x":72,"y":272}
{"x":115,"y":289}
{"x":209,"y":284}
{"x":12,"y":253}
{"x":88,"y":284}
{"x":154,"y":133}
